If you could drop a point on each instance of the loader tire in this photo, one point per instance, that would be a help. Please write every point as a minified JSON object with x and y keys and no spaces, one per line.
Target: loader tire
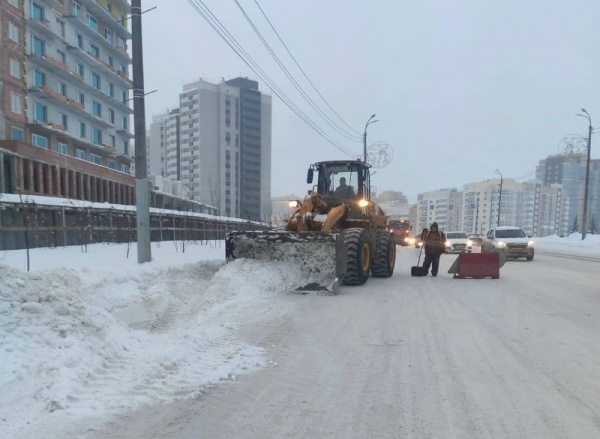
{"x":358,"y":248}
{"x":385,"y":255}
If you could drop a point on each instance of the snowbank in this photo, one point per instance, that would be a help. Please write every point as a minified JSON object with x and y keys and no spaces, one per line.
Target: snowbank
{"x":87,"y":335}
{"x":571,"y":244}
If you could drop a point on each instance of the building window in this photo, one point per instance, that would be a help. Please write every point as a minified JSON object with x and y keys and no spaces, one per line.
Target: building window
{"x":76,"y":9}
{"x":81,"y":98}
{"x":95,"y":51}
{"x":62,"y":88}
{"x":110,"y":61}
{"x":82,"y":130}
{"x":124,"y":68}
{"x":120,"y":43}
{"x":63,"y":148}
{"x":16,"y":134}
{"x":15,"y":3}
{"x":113,"y":141}
{"x":125,"y":147}
{"x":96,"y":136}
{"x":96,"y":109}
{"x":16,"y":103}
{"x":80,"y":69}
{"x":40,"y":113}
{"x":79,"y":40}
{"x":124,"y":96}
{"x":108,"y":35}
{"x":111,"y":116}
{"x":111,"y":90}
{"x":95,"y":81}
{"x":13,"y":32}
{"x":39,"y":141}
{"x":111,"y":164}
{"x":61,"y":56}
{"x":39,"y":78}
{"x":124,"y":169}
{"x":124,"y":123}
{"x":92,"y":22}
{"x":96,"y":159}
{"x":37,"y":12}
{"x":61,"y":27}
{"x":64,"y":121}
{"x":15,"y":68}
{"x":81,"y":154}
{"x":38,"y":46}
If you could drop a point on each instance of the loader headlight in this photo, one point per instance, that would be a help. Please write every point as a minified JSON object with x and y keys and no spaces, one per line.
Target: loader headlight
{"x":363,"y":203}
{"x":469,"y":243}
{"x":293,"y":204}
{"x":530,"y":244}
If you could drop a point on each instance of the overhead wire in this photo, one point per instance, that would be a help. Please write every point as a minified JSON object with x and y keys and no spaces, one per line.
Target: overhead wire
{"x":307,"y":98}
{"x":302,"y":70}
{"x":205,"y":12}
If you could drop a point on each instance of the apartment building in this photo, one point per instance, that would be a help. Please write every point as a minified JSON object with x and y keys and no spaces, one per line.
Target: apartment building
{"x":64,"y":117}
{"x":437,"y":206}
{"x":569,"y":171}
{"x":222,"y":149}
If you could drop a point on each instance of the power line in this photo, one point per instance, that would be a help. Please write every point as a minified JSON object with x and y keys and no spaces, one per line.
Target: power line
{"x":222,"y":31}
{"x":301,"y":69}
{"x":295,"y":83}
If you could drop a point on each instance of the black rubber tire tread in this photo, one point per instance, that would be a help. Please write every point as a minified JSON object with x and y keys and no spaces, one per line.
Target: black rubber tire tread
{"x":381,"y":260}
{"x":354,"y":239}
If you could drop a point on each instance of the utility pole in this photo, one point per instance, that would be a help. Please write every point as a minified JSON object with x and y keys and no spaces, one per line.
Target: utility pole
{"x":499,"y":198}
{"x":369,"y":122}
{"x":587,"y":174}
{"x":142,"y":193}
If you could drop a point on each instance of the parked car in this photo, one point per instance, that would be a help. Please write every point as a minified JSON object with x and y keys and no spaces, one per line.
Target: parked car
{"x":513,"y":241}
{"x":457,"y":242}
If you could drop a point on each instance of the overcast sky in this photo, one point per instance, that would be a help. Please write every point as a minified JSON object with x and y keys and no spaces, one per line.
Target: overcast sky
{"x":460,"y":88}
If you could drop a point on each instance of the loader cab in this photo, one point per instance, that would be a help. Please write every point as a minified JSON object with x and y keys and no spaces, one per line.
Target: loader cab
{"x":342,"y":179}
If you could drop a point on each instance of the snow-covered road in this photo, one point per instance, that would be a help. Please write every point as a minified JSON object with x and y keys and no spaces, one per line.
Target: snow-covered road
{"x":517,"y":357}
{"x":94,"y":345}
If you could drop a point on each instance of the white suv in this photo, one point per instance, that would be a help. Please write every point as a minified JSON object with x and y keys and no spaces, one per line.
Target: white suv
{"x":457,"y":242}
{"x":513,"y":241}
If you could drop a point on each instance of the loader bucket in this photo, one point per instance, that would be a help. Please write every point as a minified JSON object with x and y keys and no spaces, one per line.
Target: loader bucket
{"x":321,"y":257}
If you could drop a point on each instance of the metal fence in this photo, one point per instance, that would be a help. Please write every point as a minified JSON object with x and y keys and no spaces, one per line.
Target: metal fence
{"x":32,"y":226}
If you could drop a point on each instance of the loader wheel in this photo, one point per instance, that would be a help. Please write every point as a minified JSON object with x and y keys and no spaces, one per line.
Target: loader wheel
{"x":385,"y":255}
{"x":359,"y":256}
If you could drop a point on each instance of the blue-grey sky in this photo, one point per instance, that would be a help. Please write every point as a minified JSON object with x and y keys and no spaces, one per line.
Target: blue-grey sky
{"x":460,"y":88}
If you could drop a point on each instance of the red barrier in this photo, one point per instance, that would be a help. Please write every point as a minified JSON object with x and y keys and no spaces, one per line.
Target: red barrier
{"x":478,"y":265}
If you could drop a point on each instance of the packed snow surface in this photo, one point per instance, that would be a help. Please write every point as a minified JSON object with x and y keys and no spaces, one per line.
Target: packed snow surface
{"x":89,"y":333}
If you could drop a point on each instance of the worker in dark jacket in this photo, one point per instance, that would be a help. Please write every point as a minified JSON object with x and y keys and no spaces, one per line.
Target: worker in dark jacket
{"x":434,"y":242}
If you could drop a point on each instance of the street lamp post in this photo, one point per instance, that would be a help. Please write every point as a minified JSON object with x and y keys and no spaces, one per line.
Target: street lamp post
{"x":369,"y":122}
{"x":587,"y":173}
{"x":500,"y":197}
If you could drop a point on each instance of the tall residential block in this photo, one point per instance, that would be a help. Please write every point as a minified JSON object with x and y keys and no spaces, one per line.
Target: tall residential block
{"x":223,"y":147}
{"x":163,"y":145}
{"x":64,"y":116}
{"x":569,"y":170}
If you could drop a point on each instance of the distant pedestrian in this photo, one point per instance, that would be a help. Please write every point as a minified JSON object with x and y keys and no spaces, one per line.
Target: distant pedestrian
{"x":434,"y":242}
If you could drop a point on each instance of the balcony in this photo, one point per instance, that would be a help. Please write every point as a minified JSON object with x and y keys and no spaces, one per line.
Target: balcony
{"x":107,"y":68}
{"x":67,"y":103}
{"x":95,"y":8}
{"x":42,"y":27}
{"x":59,"y":130}
{"x":97,"y":38}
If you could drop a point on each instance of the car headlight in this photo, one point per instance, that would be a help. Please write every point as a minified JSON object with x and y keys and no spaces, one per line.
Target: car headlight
{"x":530,"y":244}
{"x":448,"y":243}
{"x":411,"y":241}
{"x":501,"y":244}
{"x":363,"y":203}
{"x":469,"y":243}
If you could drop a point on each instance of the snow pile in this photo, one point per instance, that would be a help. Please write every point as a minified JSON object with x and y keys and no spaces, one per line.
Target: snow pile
{"x":571,"y":244}
{"x":83,"y":343}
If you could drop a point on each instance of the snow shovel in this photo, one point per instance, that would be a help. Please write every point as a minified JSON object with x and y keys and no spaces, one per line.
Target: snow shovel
{"x":418,"y":271}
